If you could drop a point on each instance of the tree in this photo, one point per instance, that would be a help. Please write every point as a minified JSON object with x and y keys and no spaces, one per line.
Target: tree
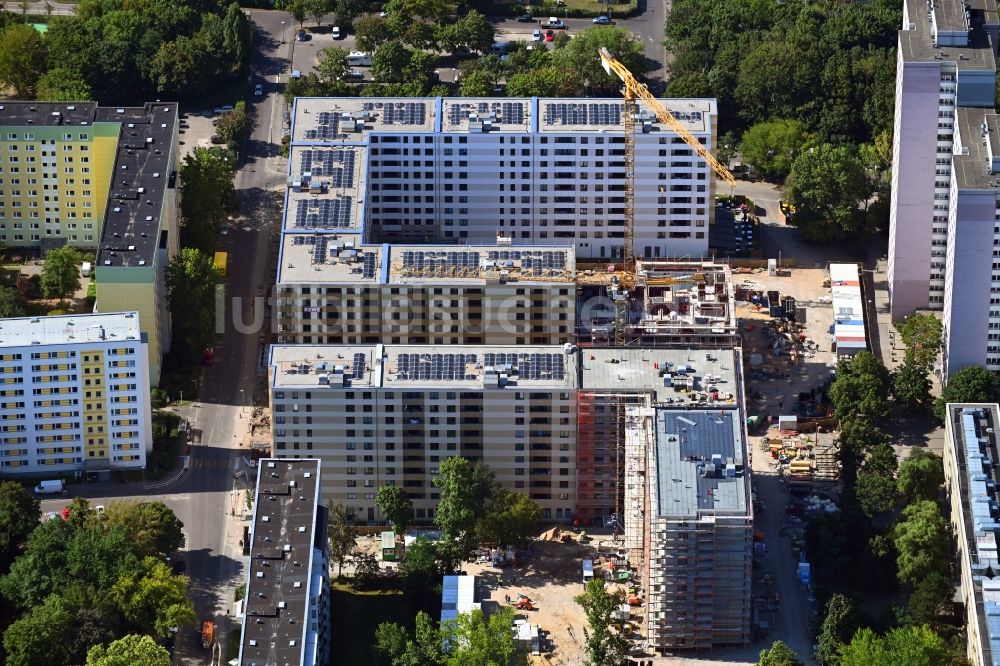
{"x":419,"y":567}
{"x":80,"y":513}
{"x":922,"y":335}
{"x":366,"y":570}
{"x":60,"y":275}
{"x":512,"y":518}
{"x":971,"y":384}
{"x":370,"y":32}
{"x":474,"y":640}
{"x":207,"y":198}
{"x":396,"y":505}
{"x":131,"y":650}
{"x":234,"y":125}
{"x":191,"y":280}
{"x":772,"y":83}
{"x":604,"y":645}
{"x":477,"y":83}
{"x":545,"y":82}
{"x":861,"y":388}
{"x":153,"y":598}
{"x":839,"y":625}
{"x":465,"y":492}
{"x":425,"y":648}
{"x":62,"y":84}
{"x":921,"y":540}
{"x":694,"y":84}
{"x":913,"y":646}
{"x":778,"y":654}
{"x":22,"y":59}
{"x":11,"y":303}
{"x":771,"y":146}
{"x":340,"y":534}
{"x":297,"y":8}
{"x":18,"y":518}
{"x":582,"y":56}
{"x":930,"y":598}
{"x":152,"y":527}
{"x":875,"y":492}
{"x":317,"y":9}
{"x":911,"y":386}
{"x":41,"y":569}
{"x":477,"y":32}
{"x":920,"y":476}
{"x":827,"y":185}
{"x":333,"y":64}
{"x":389,"y":61}
{"x":41,"y":637}
{"x":347,"y":11}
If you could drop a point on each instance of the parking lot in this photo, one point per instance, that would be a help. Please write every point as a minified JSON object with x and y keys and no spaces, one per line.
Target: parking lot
{"x":196,"y":131}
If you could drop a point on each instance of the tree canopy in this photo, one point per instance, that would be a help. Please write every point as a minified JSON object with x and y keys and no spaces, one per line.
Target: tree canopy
{"x":911,"y":645}
{"x":340,"y":533}
{"x":771,"y":146}
{"x":152,"y":527}
{"x":604,"y":645}
{"x":465,"y":490}
{"x":22,"y":59}
{"x":839,"y":625}
{"x":778,"y":654}
{"x":11,"y":303}
{"x":971,"y":384}
{"x":471,"y":639}
{"x":191,"y":280}
{"x":920,"y":476}
{"x":208,"y":197}
{"x":861,"y":388}
{"x":153,"y":599}
{"x":921,"y":333}
{"x":921,"y":540}
{"x":18,"y":517}
{"x":60,"y":274}
{"x":130,"y":650}
{"x":827,"y":184}
{"x":396,"y":505}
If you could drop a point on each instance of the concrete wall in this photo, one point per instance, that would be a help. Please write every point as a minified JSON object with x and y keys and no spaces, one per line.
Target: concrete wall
{"x":967,"y":287}
{"x":914,"y":154}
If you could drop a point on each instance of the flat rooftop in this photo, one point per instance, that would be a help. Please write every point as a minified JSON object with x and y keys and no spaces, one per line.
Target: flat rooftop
{"x":321,"y":120}
{"x":280,"y":572}
{"x":638,"y":370}
{"x":485,"y":114}
{"x":598,"y":115}
{"x":327,"y":187}
{"x":69,"y":329}
{"x":700,"y":462}
{"x":139,"y":183}
{"x":466,"y":367}
{"x":974,"y":443}
{"x":918,"y":44}
{"x":47,"y":114}
{"x":340,"y":259}
{"x":972,"y":170}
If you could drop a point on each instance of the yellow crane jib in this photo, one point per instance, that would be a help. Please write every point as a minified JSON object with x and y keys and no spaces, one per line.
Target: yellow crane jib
{"x":634,"y":89}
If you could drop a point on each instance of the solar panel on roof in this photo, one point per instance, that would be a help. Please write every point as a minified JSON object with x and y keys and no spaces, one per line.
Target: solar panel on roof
{"x":325,"y":213}
{"x":368,"y":265}
{"x":358,"y":366}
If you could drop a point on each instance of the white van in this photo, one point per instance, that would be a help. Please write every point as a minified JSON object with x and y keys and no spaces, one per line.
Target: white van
{"x":85,"y":269}
{"x":49,"y":487}
{"x":588,"y":571}
{"x":359,"y":59}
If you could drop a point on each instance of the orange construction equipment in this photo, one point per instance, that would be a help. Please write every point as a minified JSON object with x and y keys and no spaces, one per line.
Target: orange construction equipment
{"x":207,"y":634}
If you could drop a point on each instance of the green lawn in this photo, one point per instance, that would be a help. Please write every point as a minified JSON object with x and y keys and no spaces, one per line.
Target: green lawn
{"x":355,"y":617}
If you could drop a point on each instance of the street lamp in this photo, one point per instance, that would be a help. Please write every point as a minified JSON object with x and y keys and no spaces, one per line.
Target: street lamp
{"x":243,"y":402}
{"x":282,"y":32}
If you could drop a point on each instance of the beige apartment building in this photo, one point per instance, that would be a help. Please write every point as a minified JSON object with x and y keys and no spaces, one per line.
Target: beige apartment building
{"x":331,"y":291}
{"x":387,"y":414}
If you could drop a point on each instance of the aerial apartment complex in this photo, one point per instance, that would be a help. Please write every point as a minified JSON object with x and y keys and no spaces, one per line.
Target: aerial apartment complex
{"x":287,"y":612}
{"x":97,"y":178}
{"x":530,"y":170}
{"x":970,"y":468}
{"x":946,"y":62}
{"x":74,"y":394}
{"x":689,"y":520}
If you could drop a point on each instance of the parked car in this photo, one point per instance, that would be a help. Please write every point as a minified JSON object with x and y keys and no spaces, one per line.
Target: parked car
{"x":335,"y":33}
{"x":258,"y":90}
{"x":356,"y":74}
{"x":550,"y":36}
{"x":602,"y":20}
{"x":555,"y":23}
{"x":536,"y":36}
{"x":301,"y":36}
{"x":525,"y":18}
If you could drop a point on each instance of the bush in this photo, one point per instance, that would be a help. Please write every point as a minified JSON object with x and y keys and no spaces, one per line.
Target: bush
{"x":158,"y":398}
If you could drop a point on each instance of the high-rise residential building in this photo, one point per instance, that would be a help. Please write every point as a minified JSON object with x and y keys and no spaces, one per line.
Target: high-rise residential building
{"x":331,"y":291}
{"x":529,"y":170}
{"x":946,"y":61}
{"x":74,"y":394}
{"x":140,"y":232}
{"x":548,"y":420}
{"x":287,"y":612}
{"x":55,"y":170}
{"x":689,"y":523}
{"x":970,"y":471}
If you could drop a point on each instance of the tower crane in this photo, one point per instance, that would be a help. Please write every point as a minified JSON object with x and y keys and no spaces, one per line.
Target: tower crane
{"x":631,"y":91}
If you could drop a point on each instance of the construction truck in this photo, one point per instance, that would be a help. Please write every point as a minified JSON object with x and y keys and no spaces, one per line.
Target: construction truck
{"x":220,"y":262}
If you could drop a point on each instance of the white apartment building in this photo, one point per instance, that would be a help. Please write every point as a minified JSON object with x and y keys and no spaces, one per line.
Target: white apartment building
{"x":946,"y":60}
{"x":74,"y":394}
{"x":970,"y":472}
{"x":287,"y":615}
{"x":535,"y":171}
{"x":330,"y":291}
{"x":386,"y":414}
